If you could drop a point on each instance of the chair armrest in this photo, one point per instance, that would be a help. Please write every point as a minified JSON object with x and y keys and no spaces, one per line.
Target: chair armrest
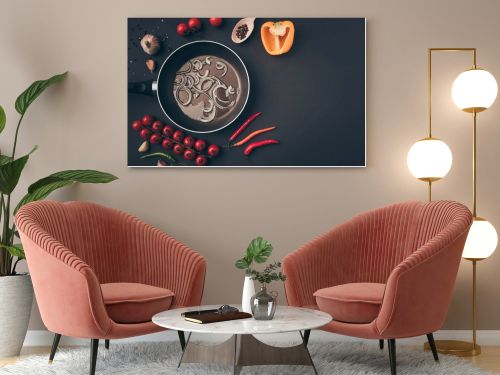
{"x":419,"y":289}
{"x":321,"y":263}
{"x":67,"y":290}
{"x":163,"y":261}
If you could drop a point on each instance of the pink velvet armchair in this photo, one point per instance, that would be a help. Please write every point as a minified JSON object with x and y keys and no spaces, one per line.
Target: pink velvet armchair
{"x":99,"y":273}
{"x":385,"y":274}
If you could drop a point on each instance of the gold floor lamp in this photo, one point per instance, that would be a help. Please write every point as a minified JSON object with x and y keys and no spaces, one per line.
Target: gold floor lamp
{"x":430,"y":159}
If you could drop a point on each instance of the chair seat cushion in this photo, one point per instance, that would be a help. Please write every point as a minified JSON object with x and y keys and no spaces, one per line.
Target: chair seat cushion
{"x":351,"y":303}
{"x":135,"y":303}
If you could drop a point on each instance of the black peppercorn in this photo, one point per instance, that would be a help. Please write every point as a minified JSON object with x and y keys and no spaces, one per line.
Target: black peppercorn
{"x":242,"y":31}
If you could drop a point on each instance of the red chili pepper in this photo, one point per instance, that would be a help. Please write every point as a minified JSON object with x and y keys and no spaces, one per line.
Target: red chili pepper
{"x":253,"y":135}
{"x":244,"y":126}
{"x":253,"y":146}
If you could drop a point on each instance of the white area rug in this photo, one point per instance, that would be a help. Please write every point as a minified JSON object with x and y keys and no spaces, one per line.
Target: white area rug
{"x":161,"y":358}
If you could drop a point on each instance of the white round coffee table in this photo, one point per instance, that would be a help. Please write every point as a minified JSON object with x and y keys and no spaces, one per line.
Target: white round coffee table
{"x":242,"y":348}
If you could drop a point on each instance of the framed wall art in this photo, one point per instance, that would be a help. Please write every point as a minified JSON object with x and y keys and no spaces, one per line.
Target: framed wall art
{"x":252,"y":92}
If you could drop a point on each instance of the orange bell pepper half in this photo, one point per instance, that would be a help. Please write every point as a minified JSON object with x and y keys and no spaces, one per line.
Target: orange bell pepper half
{"x":277,"y":37}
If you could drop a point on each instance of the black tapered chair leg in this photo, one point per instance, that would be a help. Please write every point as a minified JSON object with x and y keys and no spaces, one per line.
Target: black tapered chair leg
{"x":307,"y":333}
{"x":432,"y":344}
{"x":94,"y":346}
{"x":392,"y":355}
{"x":381,"y":344}
{"x":55,"y":344}
{"x":106,"y":344}
{"x":182,"y":339}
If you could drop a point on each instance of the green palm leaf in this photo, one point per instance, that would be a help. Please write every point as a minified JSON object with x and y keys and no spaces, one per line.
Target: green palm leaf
{"x":86,"y":176}
{"x":43,"y":187}
{"x":10,"y":172}
{"x":29,"y":95}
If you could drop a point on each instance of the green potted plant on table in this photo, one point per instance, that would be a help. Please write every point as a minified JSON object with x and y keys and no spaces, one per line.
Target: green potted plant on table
{"x":262,"y":305}
{"x":16,"y":291}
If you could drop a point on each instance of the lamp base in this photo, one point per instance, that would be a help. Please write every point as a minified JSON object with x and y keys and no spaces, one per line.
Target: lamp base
{"x":456,"y":348}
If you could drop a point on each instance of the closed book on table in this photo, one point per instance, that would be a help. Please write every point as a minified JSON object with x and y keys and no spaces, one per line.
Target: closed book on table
{"x":212,"y":317}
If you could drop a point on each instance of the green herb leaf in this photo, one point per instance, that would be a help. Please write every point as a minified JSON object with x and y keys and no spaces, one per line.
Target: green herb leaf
{"x":15,"y":250}
{"x":10,"y":172}
{"x":43,"y":187}
{"x":269,"y":274}
{"x":3,"y":119}
{"x":29,"y":95}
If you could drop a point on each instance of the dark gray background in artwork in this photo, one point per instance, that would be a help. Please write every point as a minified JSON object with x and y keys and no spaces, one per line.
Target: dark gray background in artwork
{"x":315,"y":94}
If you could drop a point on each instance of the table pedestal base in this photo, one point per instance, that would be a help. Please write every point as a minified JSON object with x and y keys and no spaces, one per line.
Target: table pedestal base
{"x":246,"y":350}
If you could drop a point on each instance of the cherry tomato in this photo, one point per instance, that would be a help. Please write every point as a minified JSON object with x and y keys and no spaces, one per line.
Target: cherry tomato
{"x":182,"y":29}
{"x":145,"y":133}
{"x":188,"y":141}
{"x":215,"y":22}
{"x":194,"y":24}
{"x":178,"y":149}
{"x":201,"y":160}
{"x":155,"y":139}
{"x":168,"y":131}
{"x":167,"y":143}
{"x":147,"y":120}
{"x":137,"y":125}
{"x":189,"y":154}
{"x":157,"y":126}
{"x":213,"y":150}
{"x":200,"y":145}
{"x":178,"y":136}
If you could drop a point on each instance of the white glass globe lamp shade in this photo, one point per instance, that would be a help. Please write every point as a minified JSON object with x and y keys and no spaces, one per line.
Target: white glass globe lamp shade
{"x":481,"y":241}
{"x":429,"y":159}
{"x":474,"y":90}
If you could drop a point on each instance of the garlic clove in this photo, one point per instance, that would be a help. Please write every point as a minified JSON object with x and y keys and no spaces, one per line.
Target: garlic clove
{"x":151,"y":65}
{"x":144,"y":146}
{"x":161,"y":163}
{"x":150,"y":44}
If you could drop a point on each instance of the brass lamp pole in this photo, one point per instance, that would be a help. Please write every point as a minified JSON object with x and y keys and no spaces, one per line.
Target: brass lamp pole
{"x":476,"y":349}
{"x":429,"y":159}
{"x":430,"y":180}
{"x":482,"y":238}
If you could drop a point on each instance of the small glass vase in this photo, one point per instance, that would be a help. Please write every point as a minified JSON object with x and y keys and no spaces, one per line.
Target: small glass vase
{"x":263,"y":304}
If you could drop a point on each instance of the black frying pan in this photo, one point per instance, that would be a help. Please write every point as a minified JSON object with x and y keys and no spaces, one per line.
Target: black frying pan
{"x":200,"y":95}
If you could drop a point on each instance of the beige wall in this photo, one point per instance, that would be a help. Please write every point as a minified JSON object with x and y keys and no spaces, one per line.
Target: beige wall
{"x":82,"y":124}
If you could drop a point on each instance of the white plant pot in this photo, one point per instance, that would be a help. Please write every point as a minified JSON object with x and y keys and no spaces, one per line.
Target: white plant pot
{"x":16,"y":298}
{"x":248,"y":292}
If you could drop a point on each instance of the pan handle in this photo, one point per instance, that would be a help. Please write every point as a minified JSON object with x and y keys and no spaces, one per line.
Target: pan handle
{"x":146,"y":87}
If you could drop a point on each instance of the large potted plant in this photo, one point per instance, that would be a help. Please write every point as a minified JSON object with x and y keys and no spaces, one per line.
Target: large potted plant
{"x":16,"y":291}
